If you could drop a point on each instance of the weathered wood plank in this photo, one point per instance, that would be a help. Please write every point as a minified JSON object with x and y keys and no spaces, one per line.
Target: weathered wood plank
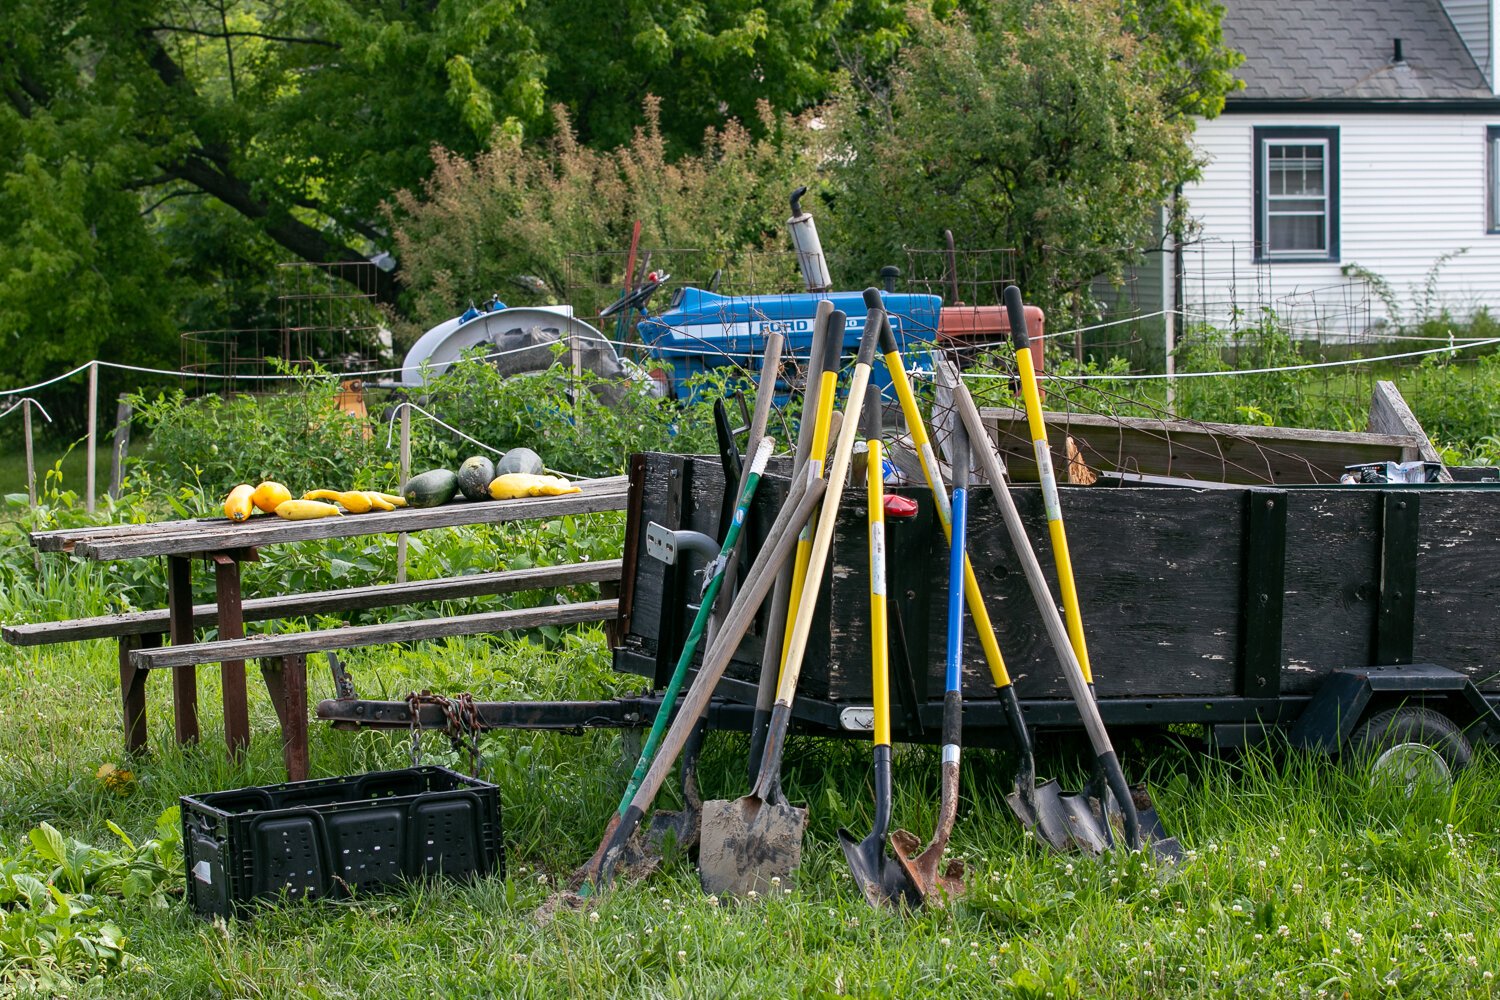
{"x":1158,"y":584}
{"x":1458,"y":586}
{"x":1389,"y":414}
{"x":324,"y":602}
{"x":1231,"y":453}
{"x":214,"y":534}
{"x":368,"y":635}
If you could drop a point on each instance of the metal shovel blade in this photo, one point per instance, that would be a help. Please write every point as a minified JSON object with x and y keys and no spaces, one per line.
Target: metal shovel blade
{"x":1042,"y":810}
{"x":929,"y":877}
{"x":746,"y":842}
{"x":883,"y":881}
{"x":927,"y":872}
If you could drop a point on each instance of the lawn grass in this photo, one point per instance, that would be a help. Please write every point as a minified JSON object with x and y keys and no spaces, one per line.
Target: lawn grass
{"x":1301,"y":880}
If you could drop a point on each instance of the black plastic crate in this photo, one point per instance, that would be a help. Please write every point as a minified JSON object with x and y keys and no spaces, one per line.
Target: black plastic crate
{"x":333,"y":836}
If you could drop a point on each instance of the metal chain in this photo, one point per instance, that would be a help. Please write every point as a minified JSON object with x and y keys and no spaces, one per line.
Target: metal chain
{"x":461,"y":714}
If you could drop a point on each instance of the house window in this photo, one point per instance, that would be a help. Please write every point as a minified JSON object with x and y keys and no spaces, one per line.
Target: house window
{"x":1296,"y":194}
{"x":1492,"y":178}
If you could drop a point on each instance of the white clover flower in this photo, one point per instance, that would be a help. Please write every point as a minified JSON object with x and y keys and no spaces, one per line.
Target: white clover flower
{"x":1260,"y":937}
{"x":681,"y":955}
{"x":946,"y":942}
{"x":775,"y":879}
{"x":1284,"y":931}
{"x":594,"y":917}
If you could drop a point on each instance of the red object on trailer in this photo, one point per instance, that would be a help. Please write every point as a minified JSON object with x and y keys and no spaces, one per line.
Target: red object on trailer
{"x":984,"y":324}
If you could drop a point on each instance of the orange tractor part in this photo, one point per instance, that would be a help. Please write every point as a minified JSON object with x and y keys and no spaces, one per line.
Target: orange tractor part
{"x":985,"y":324}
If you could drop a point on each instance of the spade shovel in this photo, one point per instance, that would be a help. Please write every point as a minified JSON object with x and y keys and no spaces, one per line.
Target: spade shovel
{"x":882,"y":880}
{"x":1062,"y":820}
{"x":746,"y":842}
{"x":926,"y":870}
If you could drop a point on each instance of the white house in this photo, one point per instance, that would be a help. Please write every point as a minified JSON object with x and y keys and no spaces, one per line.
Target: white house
{"x":1367,"y":134}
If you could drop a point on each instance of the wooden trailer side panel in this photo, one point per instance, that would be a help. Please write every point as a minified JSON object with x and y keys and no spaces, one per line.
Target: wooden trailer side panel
{"x":1158,"y":581}
{"x":1458,"y":584}
{"x":1332,"y":584}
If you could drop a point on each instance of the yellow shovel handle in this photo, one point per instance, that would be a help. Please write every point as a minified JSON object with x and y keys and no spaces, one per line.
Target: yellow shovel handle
{"x":923,"y":443}
{"x":1038,"y":427}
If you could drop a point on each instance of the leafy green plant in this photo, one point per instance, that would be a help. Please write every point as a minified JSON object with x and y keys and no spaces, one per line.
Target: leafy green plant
{"x":52,"y":929}
{"x":579,"y":423}
{"x":299,"y":436}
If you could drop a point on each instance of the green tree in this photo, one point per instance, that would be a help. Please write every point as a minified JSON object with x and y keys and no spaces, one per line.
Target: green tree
{"x":161,"y":154}
{"x":1053,"y":128}
{"x":710,"y":62}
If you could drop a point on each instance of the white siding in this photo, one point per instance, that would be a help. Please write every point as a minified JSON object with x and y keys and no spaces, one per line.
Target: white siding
{"x":1412,"y":188}
{"x":1471,"y":18}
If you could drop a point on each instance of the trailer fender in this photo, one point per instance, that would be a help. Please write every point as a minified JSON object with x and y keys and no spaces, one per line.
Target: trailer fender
{"x":1346,"y":695}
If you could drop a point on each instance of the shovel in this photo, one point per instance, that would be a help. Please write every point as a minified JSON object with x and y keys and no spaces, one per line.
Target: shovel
{"x":746,"y":842}
{"x":806,"y":493}
{"x":882,"y":880}
{"x":923,"y":869}
{"x":717,"y":573}
{"x":770,"y":661}
{"x":1064,"y":821}
{"x":1004,"y":689}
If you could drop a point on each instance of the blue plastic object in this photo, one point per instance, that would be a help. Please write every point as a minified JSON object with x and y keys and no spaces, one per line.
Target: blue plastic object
{"x":703,"y":330}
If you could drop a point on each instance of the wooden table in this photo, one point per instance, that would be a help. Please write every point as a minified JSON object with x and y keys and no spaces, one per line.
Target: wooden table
{"x":227,"y":544}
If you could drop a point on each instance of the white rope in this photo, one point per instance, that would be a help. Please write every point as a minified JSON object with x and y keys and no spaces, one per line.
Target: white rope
{"x":715,"y":352}
{"x":391,"y":426}
{"x":22,"y":402}
{"x":390,"y":430}
{"x":1247,"y":371}
{"x":50,"y":381}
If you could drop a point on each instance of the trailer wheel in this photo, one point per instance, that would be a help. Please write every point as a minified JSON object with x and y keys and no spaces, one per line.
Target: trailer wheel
{"x":1411,"y":747}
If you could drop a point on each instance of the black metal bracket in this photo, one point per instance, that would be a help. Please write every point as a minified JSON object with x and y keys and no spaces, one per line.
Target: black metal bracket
{"x":1395,"y":621}
{"x":1263,"y":592}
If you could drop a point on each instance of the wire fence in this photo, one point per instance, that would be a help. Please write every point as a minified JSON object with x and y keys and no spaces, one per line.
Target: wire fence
{"x":1200,"y":331}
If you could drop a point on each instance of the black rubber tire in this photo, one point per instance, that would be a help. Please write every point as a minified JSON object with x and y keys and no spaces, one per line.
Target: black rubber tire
{"x":1395,"y":726}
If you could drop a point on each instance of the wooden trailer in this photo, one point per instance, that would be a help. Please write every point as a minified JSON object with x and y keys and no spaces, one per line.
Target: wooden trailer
{"x":1240,"y":608}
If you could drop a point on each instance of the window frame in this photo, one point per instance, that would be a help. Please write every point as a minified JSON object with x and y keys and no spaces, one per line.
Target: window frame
{"x":1492,"y":180}
{"x":1264,"y":135}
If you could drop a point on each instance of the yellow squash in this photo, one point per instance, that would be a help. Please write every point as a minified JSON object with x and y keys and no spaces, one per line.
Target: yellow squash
{"x":306,"y":510}
{"x":268,"y":495}
{"x":238,"y":505}
{"x":354,"y":501}
{"x":394,"y":499}
{"x":520,"y":484}
{"x":378,"y":501}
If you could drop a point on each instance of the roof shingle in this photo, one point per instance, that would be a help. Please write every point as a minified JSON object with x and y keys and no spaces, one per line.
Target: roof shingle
{"x":1340,"y":49}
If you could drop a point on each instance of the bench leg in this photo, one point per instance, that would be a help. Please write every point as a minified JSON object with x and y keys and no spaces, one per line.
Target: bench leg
{"x":133,"y":691}
{"x":286,"y":681}
{"x":180,"y":616}
{"x":232,"y":672}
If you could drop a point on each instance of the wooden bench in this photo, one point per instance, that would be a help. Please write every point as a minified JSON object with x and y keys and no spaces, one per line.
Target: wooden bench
{"x":283,"y":658}
{"x":142,"y":631}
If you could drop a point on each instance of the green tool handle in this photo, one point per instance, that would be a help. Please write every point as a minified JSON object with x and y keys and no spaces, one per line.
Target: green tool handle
{"x":700,"y":624}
